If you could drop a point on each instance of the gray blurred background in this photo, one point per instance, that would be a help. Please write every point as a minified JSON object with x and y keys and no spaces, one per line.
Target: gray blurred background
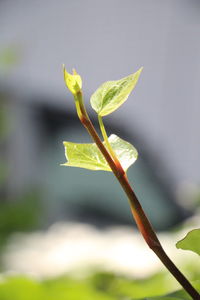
{"x":103,"y":40}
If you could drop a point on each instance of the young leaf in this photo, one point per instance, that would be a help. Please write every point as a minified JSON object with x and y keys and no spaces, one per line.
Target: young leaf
{"x":85,"y":156}
{"x":190,"y":242}
{"x":72,"y":81}
{"x":125,"y":152}
{"x":111,"y":94}
{"x":89,"y":157}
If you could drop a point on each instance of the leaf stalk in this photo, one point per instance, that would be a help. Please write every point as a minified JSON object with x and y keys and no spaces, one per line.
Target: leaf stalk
{"x":110,"y":149}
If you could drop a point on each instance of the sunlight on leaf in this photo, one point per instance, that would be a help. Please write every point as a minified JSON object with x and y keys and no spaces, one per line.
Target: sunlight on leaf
{"x":111,"y":94}
{"x":126,"y":153}
{"x":89,"y":157}
{"x":85,"y":156}
{"x":190,"y":242}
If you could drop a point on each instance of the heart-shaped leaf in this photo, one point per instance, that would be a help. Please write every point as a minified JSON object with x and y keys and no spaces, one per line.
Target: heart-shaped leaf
{"x":88,"y":156}
{"x":190,"y":242}
{"x":111,"y":94}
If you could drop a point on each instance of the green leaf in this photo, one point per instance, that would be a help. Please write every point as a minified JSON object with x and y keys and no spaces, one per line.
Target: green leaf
{"x":85,"y":156}
{"x":190,"y":242}
{"x":89,"y":157}
{"x":126,"y":153}
{"x":111,"y":94}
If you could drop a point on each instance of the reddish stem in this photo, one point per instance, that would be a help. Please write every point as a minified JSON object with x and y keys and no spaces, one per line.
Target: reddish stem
{"x":139,"y":215}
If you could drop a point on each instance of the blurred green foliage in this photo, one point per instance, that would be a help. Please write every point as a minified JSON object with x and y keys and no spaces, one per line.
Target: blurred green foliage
{"x":9,"y":56}
{"x":19,"y":215}
{"x":100,"y":286}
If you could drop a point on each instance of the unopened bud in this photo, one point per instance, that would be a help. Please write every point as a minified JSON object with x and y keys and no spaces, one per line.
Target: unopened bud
{"x":72,"y":81}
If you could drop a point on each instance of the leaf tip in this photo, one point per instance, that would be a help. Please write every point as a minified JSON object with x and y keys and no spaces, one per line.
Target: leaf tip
{"x":74,"y":71}
{"x":139,"y":71}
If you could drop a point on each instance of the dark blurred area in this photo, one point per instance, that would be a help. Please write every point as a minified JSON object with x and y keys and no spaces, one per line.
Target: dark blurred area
{"x":104,"y":40}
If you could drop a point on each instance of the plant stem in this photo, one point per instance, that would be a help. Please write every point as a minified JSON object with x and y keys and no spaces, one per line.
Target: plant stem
{"x":152,"y":240}
{"x":139,"y":215}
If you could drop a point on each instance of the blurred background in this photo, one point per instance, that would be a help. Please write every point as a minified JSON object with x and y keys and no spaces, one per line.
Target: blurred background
{"x":44,"y":205}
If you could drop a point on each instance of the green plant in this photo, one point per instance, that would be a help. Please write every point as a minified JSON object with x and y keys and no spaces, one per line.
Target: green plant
{"x":98,"y":286}
{"x":115,"y":155}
